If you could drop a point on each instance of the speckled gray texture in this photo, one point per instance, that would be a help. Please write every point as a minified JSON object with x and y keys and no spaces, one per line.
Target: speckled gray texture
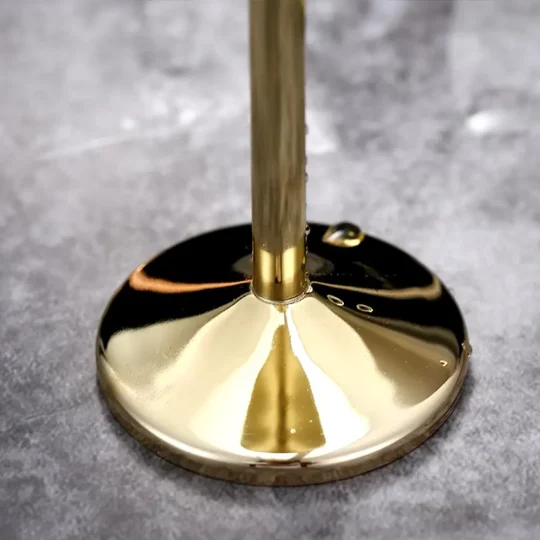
{"x":124,"y":129}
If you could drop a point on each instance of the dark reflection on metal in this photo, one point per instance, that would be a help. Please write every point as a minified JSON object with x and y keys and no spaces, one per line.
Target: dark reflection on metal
{"x":430,"y":292}
{"x":363,"y":275}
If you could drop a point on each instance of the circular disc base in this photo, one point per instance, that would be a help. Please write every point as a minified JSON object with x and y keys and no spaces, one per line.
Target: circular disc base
{"x":358,"y":372}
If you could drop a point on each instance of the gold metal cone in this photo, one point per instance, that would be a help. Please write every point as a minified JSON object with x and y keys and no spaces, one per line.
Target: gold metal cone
{"x":354,"y":374}
{"x":281,"y":401}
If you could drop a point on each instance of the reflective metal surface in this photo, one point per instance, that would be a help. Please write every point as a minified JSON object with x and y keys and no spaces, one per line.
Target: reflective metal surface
{"x":278,"y":153}
{"x":358,"y":372}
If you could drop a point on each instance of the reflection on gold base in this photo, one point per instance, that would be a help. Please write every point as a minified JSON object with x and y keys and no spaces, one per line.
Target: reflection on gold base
{"x":357,"y":373}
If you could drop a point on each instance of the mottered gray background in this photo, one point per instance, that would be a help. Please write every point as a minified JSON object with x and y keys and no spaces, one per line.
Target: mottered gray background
{"x":124,"y":129}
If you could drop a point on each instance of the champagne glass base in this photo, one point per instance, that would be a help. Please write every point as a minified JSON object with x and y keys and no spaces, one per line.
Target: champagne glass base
{"x":354,"y":374}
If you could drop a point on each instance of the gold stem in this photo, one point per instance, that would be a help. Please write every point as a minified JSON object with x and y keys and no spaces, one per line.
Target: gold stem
{"x":278,"y":155}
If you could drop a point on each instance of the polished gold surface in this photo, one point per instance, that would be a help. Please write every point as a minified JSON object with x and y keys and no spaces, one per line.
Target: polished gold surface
{"x":279,"y":277}
{"x":281,"y":400}
{"x":278,"y":147}
{"x":358,"y":372}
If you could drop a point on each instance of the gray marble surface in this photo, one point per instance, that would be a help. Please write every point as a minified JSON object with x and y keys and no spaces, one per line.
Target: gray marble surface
{"x":124,"y":129}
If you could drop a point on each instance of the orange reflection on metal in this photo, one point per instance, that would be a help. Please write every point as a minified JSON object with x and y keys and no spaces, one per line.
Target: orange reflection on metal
{"x":141,"y":282}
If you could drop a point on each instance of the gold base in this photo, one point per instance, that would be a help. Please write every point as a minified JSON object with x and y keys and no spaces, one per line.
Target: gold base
{"x":353,"y":375}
